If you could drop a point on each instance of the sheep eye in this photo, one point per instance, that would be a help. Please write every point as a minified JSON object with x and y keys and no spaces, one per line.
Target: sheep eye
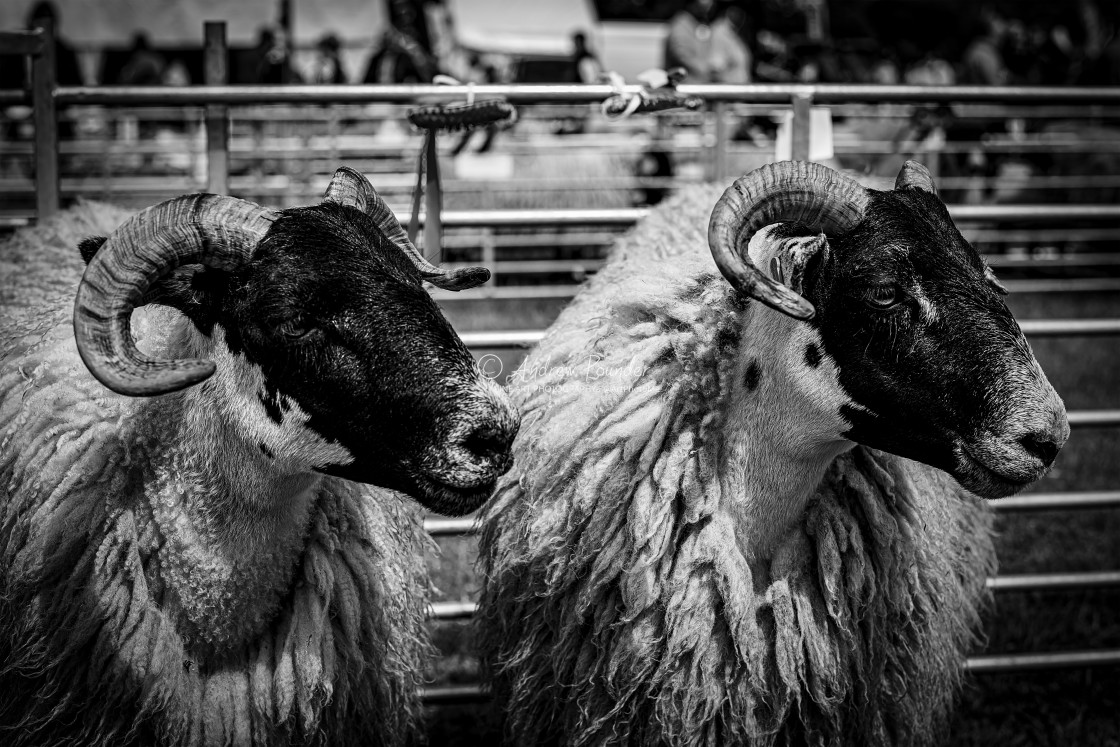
{"x":295,"y":328}
{"x":882,"y":296}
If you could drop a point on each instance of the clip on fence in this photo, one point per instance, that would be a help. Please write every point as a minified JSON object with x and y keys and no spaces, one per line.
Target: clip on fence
{"x":659,"y":92}
{"x":464,"y":117}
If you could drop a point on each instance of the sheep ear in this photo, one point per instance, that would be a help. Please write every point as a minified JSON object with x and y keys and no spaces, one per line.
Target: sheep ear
{"x":993,"y":281}
{"x":792,"y":253}
{"x":192,"y":289}
{"x":88,"y":246}
{"x":195,"y":290}
{"x":914,"y":174}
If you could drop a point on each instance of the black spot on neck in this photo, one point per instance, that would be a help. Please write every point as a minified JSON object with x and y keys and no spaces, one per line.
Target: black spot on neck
{"x":265,"y":450}
{"x":813,"y":355}
{"x":753,"y":376}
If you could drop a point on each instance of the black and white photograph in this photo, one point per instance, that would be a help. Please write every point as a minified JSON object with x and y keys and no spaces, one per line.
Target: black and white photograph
{"x":559,"y":373}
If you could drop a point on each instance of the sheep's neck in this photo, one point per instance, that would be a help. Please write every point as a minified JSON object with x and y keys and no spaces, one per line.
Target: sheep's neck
{"x":231,"y":520}
{"x":783,"y":429}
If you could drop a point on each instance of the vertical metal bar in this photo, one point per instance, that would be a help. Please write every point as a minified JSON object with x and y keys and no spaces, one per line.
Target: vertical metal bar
{"x":933,"y":157}
{"x":719,"y":151}
{"x":217,"y":119}
{"x":800,"y":126}
{"x":489,"y":258}
{"x":43,"y":81}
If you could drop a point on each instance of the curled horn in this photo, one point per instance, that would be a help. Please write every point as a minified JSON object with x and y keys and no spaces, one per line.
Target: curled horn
{"x":914,"y":174}
{"x":348,"y":187}
{"x":790,"y":191}
{"x":215,"y":231}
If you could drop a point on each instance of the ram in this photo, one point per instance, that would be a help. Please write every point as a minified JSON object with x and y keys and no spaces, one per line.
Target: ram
{"x":219,"y":550}
{"x":733,"y":518}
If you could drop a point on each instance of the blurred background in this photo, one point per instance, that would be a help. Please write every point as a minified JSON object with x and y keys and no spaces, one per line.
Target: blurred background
{"x":1037,"y":153}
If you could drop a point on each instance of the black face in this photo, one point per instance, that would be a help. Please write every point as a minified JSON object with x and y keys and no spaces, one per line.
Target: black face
{"x":928,"y":351}
{"x":337,"y":319}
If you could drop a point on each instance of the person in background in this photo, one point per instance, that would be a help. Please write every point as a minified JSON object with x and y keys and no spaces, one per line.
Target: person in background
{"x":176,"y":73}
{"x":145,"y":66}
{"x":1100,"y":52}
{"x":930,"y":69}
{"x":705,"y":43}
{"x":586,"y":67}
{"x":273,"y":58}
{"x":398,"y":58}
{"x":983,"y":62}
{"x":328,"y":62}
{"x":67,"y":70}
{"x":15,"y":73}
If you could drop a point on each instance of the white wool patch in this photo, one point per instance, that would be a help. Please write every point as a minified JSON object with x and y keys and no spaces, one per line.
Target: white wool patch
{"x":808,"y":399}
{"x":290,"y":440}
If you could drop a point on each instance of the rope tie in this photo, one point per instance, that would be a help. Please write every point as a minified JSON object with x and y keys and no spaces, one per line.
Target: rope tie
{"x":465,"y":117}
{"x":658,"y":93}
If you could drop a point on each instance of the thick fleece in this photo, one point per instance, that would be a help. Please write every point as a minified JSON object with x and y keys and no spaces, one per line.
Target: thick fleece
{"x":135,"y":609}
{"x":621,"y":605}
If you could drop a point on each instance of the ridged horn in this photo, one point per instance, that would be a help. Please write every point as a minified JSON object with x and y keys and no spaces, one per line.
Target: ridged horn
{"x":212,"y":230}
{"x":914,"y":174}
{"x":790,"y":191}
{"x":349,"y":187}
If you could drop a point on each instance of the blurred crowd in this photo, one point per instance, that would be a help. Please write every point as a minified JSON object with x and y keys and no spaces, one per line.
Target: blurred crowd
{"x":1072,"y":43}
{"x":716,"y":41}
{"x":916,"y":42}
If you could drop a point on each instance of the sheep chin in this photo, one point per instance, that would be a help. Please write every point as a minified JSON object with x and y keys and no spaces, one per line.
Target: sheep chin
{"x":980,"y":478}
{"x":449,"y":500}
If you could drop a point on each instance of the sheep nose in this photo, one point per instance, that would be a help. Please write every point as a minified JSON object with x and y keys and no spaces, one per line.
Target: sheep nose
{"x":1047,"y":435}
{"x":491,"y":442}
{"x":1042,"y":446}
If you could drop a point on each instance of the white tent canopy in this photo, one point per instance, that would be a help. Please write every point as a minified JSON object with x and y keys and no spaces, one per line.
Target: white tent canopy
{"x":522,"y":27}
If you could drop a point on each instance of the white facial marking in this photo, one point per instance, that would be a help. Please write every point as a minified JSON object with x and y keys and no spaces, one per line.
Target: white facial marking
{"x":289,"y":440}
{"x":928,"y":310}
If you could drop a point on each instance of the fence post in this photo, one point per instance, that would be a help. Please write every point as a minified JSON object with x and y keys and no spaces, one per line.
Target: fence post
{"x":719,"y":151}
{"x":217,"y":120}
{"x":800,"y":126}
{"x":45,"y":114}
{"x":489,"y":260}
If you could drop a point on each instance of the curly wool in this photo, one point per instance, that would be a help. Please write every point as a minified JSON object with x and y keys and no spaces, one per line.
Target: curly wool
{"x":619,"y":606}
{"x":41,"y":264}
{"x":90,"y":651}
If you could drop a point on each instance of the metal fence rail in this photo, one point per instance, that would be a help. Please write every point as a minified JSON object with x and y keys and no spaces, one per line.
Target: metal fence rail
{"x":1006,"y":663}
{"x":1071,"y":501}
{"x":445,"y":611}
{"x":983,"y":664}
{"x":217,"y":96}
{"x":629,"y":216}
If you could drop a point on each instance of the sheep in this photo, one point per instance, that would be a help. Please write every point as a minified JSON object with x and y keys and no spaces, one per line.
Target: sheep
{"x":734,"y":522}
{"x":205,"y":530}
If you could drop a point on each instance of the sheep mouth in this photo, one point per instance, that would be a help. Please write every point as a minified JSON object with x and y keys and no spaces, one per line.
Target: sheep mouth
{"x":450,"y":498}
{"x":983,"y":478}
